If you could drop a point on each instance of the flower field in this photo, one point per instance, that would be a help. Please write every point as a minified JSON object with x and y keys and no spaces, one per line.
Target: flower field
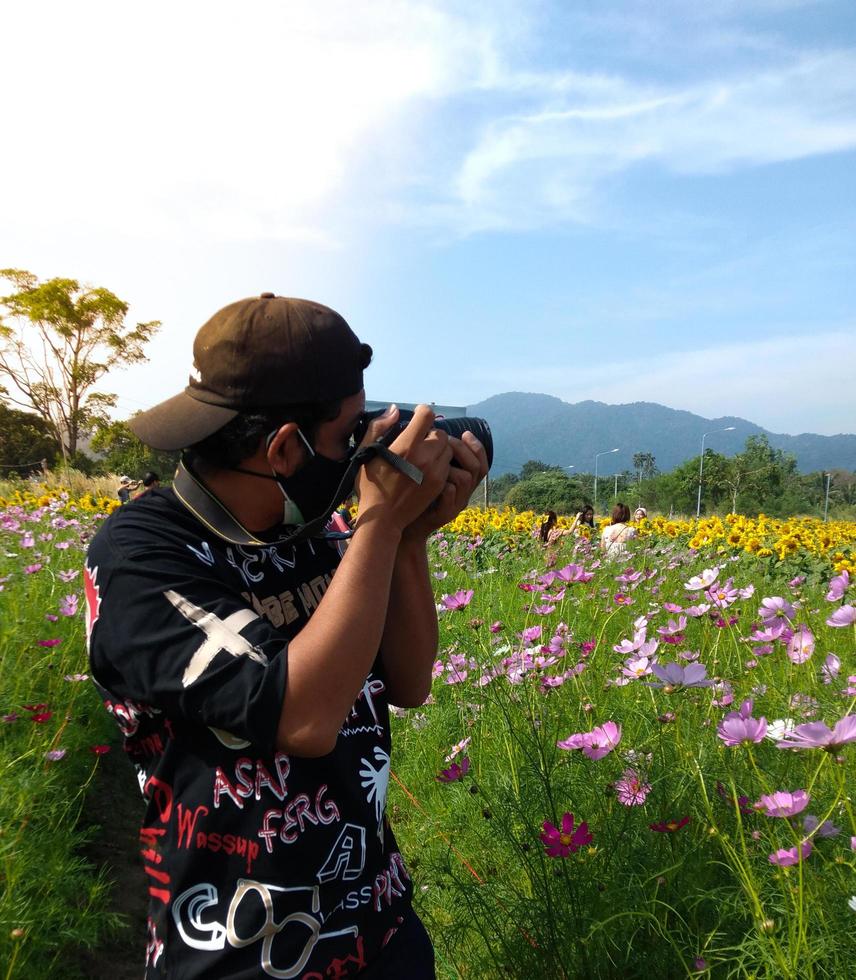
{"x":637,"y":768}
{"x":641,"y":768}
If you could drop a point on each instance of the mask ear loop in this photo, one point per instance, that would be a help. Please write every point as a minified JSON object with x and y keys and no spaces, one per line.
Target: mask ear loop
{"x":291,"y":513}
{"x":363,"y":455}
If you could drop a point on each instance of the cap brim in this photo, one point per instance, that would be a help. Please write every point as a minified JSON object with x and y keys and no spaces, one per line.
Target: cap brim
{"x":179,"y":422}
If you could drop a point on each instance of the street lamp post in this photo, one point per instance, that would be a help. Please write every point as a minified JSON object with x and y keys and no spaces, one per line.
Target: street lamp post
{"x":826,"y":501}
{"x":728,"y":428}
{"x":597,"y":456}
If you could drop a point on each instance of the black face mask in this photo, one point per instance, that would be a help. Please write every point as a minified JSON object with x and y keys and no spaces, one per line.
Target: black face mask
{"x":316,"y":489}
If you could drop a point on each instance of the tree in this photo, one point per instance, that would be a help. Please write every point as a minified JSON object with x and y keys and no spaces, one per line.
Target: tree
{"x":534,"y":466}
{"x":68,"y":336}
{"x":25,"y":440}
{"x":499,"y":487}
{"x":123,"y":452}
{"x":545,"y":490}
{"x":645,"y":465}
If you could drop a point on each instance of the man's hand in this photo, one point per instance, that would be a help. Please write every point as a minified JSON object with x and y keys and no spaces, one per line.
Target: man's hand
{"x":461,"y":481}
{"x":385,"y":493}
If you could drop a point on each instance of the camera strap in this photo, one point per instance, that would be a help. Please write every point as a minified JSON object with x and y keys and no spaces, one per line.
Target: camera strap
{"x":201,"y":502}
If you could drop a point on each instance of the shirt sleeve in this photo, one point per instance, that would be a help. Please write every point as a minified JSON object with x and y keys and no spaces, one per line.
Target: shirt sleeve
{"x":173,"y":635}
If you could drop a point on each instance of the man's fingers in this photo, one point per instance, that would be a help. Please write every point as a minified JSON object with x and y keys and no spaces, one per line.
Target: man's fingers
{"x":419,"y":426}
{"x":379,"y":426}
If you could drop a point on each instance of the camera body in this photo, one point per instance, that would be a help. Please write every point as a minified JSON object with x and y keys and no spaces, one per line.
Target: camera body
{"x":453,"y":427}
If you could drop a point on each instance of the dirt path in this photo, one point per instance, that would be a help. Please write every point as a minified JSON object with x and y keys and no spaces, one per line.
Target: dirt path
{"x":116,"y":806}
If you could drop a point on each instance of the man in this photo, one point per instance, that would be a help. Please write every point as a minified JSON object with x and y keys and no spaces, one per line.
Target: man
{"x":123,"y":491}
{"x":250,"y":683}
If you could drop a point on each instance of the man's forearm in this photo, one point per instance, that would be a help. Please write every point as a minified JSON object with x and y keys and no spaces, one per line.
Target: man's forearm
{"x":409,"y":645}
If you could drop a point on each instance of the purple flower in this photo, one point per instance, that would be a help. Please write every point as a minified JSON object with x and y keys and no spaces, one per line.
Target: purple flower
{"x":783,"y":804}
{"x":455,"y":771}
{"x":674,"y":676}
{"x":54,"y":755}
{"x":32,"y":569}
{"x":564,"y":842}
{"x":458,"y":600}
{"x":784,"y":858}
{"x":68,"y":576}
{"x":816,"y":735}
{"x":68,"y":606}
{"x":801,"y":645}
{"x":496,"y":627}
{"x":842,"y":617}
{"x":775,"y":608}
{"x":12,"y":716}
{"x":838,"y":586}
{"x":813,"y":826}
{"x":530,"y":635}
{"x":631,"y":790}
{"x":736,"y":730}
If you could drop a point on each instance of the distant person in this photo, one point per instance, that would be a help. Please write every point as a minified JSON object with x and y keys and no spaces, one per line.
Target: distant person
{"x":126,"y":485}
{"x":617,"y":533}
{"x":639,"y":514}
{"x":584,"y":519}
{"x":547,"y":526}
{"x":151,"y":481}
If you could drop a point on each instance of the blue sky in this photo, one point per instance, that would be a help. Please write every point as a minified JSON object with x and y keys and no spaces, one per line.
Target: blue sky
{"x":620,"y":201}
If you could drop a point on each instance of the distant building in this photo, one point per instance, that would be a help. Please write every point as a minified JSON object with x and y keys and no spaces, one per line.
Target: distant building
{"x":447,"y":411}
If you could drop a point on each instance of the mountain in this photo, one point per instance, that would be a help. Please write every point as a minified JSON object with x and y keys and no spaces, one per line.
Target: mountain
{"x":531,"y":426}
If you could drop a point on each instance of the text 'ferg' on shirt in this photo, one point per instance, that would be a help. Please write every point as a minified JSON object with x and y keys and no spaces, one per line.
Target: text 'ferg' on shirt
{"x":258,"y":863}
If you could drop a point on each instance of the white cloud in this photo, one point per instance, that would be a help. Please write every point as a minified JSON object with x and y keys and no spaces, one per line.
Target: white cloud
{"x":590,"y":128}
{"x":236,"y":122}
{"x":778,"y":384}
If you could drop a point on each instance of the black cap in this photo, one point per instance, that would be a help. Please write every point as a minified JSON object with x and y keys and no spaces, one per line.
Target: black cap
{"x":258,"y":354}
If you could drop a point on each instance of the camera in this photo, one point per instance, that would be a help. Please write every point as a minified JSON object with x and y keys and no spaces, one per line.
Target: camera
{"x":453,"y":427}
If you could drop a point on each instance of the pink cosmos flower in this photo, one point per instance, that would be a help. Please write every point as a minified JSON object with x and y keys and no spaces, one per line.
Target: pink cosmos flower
{"x":785,"y":857}
{"x":455,"y":771}
{"x":458,"y":748}
{"x":722,"y":596}
{"x":697,"y":611}
{"x":783,"y":804}
{"x":51,"y":618}
{"x":574,"y":573}
{"x":496,"y":627}
{"x":831,"y":668}
{"x":68,"y":606}
{"x":704,"y":581}
{"x":54,"y":755}
{"x":817,"y":735}
{"x":530,"y":635}
{"x":50,"y":643}
{"x":32,"y":569}
{"x":544,"y":610}
{"x":838,"y":586}
{"x":457,"y":600}
{"x":68,"y":576}
{"x":27,"y":541}
{"x":673,"y":626}
{"x":775,"y":607}
{"x":844,"y":616}
{"x":562,"y":843}
{"x":630,"y":789}
{"x":801,"y":645}
{"x":99,"y":749}
{"x":735,"y":730}
{"x":637,"y":667}
{"x":602,"y":740}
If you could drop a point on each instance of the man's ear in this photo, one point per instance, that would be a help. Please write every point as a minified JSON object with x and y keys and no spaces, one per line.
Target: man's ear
{"x":286,"y":452}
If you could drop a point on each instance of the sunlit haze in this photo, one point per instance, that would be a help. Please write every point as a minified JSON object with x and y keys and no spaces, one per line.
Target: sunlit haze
{"x":619,"y":201}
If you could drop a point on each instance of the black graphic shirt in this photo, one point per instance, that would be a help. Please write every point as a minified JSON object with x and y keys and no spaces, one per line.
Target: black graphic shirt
{"x":258,"y":863}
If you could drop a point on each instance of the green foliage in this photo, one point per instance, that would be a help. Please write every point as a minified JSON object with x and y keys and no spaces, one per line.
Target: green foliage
{"x":533,"y":466}
{"x":545,"y":490}
{"x":636,"y":903}
{"x":67,"y":337}
{"x":500,"y":486}
{"x":123,"y":452}
{"x":25,"y":440}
